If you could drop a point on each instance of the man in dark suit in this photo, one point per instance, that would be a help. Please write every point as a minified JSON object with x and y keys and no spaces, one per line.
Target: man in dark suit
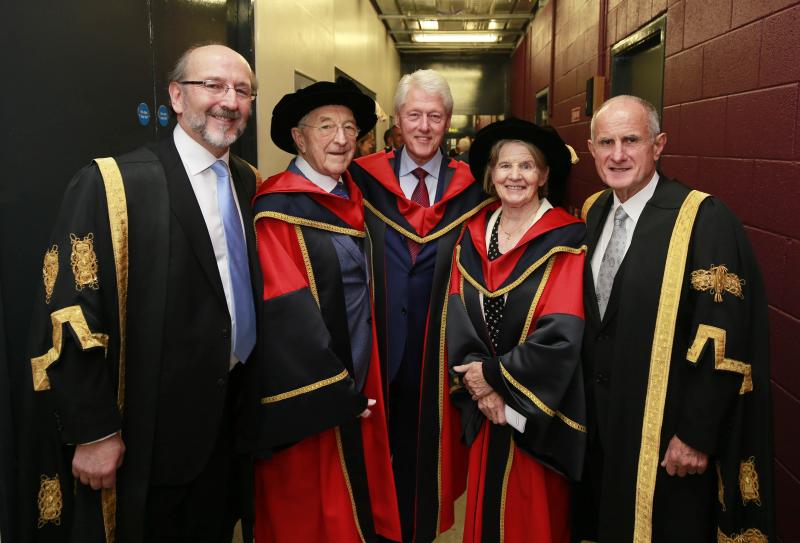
{"x":416,"y":198}
{"x":675,"y":352}
{"x":146,"y":317}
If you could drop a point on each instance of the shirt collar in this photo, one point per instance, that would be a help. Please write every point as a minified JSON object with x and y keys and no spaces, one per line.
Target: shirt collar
{"x":407,"y":165}
{"x":634,"y":205}
{"x":325,"y":182}
{"x":194,"y":156}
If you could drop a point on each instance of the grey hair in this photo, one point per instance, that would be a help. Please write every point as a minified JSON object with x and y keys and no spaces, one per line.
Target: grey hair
{"x":430,"y":82}
{"x":653,"y":123}
{"x":178,"y":72}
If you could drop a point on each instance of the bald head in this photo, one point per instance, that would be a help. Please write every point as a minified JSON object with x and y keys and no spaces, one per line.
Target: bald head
{"x":199,"y":53}
{"x":626,"y":101}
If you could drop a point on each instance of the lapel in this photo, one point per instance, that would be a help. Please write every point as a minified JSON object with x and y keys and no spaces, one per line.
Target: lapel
{"x":184,"y":206}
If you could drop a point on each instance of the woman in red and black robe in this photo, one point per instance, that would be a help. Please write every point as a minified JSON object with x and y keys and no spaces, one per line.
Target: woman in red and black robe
{"x":514,"y":328}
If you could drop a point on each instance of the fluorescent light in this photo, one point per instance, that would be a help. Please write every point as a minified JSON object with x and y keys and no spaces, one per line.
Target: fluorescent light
{"x":454,"y":38}
{"x":495,"y":25}
{"x":429,"y":25}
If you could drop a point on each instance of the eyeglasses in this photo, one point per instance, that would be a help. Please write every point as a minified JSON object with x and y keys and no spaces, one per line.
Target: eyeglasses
{"x":328,"y":130}
{"x":219,"y":89}
{"x":417,"y":116}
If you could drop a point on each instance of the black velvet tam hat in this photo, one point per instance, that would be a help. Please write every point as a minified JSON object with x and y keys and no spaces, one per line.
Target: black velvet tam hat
{"x":559,"y":155}
{"x":293,"y":107}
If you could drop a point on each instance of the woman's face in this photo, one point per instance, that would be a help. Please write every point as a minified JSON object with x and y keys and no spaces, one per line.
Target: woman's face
{"x":516,"y":176}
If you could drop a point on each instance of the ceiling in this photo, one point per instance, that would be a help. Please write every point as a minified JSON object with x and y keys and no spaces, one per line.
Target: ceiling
{"x":503,"y":20}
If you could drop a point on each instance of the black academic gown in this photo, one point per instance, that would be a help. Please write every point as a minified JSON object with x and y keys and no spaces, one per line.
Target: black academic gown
{"x":427,"y":457}
{"x":711,"y":389}
{"x":161,"y":377}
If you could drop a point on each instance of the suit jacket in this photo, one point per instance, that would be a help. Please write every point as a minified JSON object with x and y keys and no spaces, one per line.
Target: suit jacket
{"x":194,"y":374}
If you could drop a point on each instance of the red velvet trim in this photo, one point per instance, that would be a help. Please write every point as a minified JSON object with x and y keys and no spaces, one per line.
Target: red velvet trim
{"x":422,"y":219}
{"x":496,"y":272}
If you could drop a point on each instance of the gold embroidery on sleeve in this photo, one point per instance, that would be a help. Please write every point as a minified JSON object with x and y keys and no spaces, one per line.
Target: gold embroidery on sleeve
{"x":303,"y":390}
{"x":748,"y":482}
{"x":718,"y":335}
{"x":50,"y":272}
{"x":72,"y":315}
{"x":717,"y":279}
{"x":312,"y":284}
{"x":84,"y":261}
{"x":50,"y":501}
{"x":752,"y":535}
{"x":589,"y":202}
{"x":720,"y":487}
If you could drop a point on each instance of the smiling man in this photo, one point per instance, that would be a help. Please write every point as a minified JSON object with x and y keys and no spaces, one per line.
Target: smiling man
{"x":317,"y":403}
{"x":146,"y":317}
{"x":416,"y":199}
{"x":674,"y":352}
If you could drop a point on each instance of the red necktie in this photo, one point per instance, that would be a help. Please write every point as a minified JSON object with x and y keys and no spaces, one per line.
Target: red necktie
{"x":420,"y":196}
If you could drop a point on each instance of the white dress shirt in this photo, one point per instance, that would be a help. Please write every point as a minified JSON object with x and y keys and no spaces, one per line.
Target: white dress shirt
{"x":633,"y":208}
{"x":325,"y":182}
{"x":197,"y":161}
{"x":408,"y":181}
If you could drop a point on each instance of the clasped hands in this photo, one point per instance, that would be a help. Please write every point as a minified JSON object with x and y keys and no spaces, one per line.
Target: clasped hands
{"x":490,"y":403}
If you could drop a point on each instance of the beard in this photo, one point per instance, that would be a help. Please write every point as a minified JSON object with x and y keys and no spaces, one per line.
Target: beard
{"x":198,"y":122}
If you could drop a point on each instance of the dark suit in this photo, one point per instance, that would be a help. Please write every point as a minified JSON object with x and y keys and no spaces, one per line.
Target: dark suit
{"x":179,"y":398}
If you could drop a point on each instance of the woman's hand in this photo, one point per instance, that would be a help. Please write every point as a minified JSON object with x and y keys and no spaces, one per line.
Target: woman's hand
{"x":370,"y":403}
{"x":493,"y":407}
{"x":473,"y":379}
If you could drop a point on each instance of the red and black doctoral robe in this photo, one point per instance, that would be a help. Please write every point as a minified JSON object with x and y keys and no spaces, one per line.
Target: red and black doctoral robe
{"x":518,"y":488}
{"x":439,"y":476}
{"x":328,"y":477}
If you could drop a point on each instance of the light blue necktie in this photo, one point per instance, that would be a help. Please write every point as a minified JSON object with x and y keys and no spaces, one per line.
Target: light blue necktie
{"x":615,"y":252}
{"x":244,"y":327}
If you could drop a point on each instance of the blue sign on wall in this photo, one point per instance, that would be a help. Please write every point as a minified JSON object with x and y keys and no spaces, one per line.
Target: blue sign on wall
{"x":163,"y":115}
{"x":143,"y":111}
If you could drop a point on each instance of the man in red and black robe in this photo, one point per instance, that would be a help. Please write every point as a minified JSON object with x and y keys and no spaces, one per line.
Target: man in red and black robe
{"x":416,"y":200}
{"x":315,"y":398}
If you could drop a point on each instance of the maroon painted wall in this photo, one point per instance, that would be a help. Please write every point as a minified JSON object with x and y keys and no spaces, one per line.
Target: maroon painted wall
{"x":732,"y":115}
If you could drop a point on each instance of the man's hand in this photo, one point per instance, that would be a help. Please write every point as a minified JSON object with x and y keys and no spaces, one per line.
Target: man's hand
{"x":493,"y":407}
{"x":96,"y":464}
{"x":370,"y":403}
{"x":681,"y":459}
{"x":473,"y":379}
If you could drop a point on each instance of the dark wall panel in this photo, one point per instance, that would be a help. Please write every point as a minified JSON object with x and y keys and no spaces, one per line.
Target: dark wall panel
{"x":478,"y":83}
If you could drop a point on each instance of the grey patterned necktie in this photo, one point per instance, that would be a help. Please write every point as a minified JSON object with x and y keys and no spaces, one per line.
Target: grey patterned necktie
{"x":615,"y":252}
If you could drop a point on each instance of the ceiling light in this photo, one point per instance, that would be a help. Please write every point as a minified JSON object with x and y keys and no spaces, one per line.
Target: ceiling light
{"x":495,"y":25}
{"x":429,"y":25}
{"x":455,"y":38}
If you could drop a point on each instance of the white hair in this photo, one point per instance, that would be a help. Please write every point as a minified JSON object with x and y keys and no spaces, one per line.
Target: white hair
{"x":653,"y":124}
{"x":430,"y":82}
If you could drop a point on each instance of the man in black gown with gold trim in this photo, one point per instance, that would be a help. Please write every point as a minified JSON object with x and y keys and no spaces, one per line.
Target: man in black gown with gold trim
{"x":145,"y":317}
{"x":675,"y":353}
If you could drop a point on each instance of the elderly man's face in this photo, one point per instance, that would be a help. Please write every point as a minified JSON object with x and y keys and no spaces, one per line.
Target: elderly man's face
{"x":215,"y":121}
{"x":624,"y":153}
{"x":423,"y":122}
{"x":327,"y":139}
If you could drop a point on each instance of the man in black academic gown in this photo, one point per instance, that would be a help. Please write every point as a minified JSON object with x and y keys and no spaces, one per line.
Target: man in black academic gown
{"x":146,"y":315}
{"x":416,"y":199}
{"x":675,"y":353}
